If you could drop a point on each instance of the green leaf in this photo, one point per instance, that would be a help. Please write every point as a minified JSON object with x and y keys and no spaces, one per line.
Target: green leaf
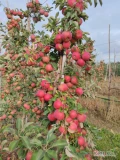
{"x":46,"y":157}
{"x":38,"y":155}
{"x":50,"y":132}
{"x":68,"y":14}
{"x":57,"y":14}
{"x":31,"y":129}
{"x":13,"y":145}
{"x":59,"y":143}
{"x":19,"y":124}
{"x":26,"y":142}
{"x":90,"y":2}
{"x":100,"y":2}
{"x":36,"y":142}
{"x":82,"y":154}
{"x":27,"y":124}
{"x":26,"y":56}
{"x":9,"y":130}
{"x":52,"y":154}
{"x":95,"y":3}
{"x":51,"y":138}
{"x":3,"y":142}
{"x":63,"y":157}
{"x":21,"y":153}
{"x":54,"y":65}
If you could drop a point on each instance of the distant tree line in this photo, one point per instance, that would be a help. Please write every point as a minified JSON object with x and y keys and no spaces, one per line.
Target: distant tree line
{"x":102,"y":67}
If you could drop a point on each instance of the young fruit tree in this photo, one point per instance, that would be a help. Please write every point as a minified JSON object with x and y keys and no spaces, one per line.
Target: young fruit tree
{"x":44,"y":75}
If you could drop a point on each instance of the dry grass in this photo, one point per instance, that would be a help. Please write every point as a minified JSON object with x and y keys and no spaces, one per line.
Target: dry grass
{"x":115,"y":87}
{"x":97,"y":107}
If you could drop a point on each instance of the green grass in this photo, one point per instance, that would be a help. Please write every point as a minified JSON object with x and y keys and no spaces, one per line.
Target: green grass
{"x":106,"y":141}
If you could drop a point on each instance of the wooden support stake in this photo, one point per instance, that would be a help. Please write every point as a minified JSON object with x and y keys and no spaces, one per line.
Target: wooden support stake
{"x":109,"y":78}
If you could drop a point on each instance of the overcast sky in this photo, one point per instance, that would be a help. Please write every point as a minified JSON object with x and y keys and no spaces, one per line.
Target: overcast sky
{"x":97,"y":25}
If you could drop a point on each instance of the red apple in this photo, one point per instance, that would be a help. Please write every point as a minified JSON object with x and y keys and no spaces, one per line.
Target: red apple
{"x":59,"y":47}
{"x":86,"y":56}
{"x":40,"y":93}
{"x":66,"y":45}
{"x":80,"y":6}
{"x":47,"y":97}
{"x":4,"y":117}
{"x":88,"y":157}
{"x":69,"y":84}
{"x":67,"y":78}
{"x":36,"y":109}
{"x":63,"y":10}
{"x":88,"y":68}
{"x":33,"y":85}
{"x":49,"y":68}
{"x":42,"y":11}
{"x":57,"y":104}
{"x":73,"y":126}
{"x":58,"y":38}
{"x":71,"y":3}
{"x":67,"y":51}
{"x":51,"y":117}
{"x":41,"y":54}
{"x":68,"y":119}
{"x":46,"y":49}
{"x":81,"y":62}
{"x":46,"y":14}
{"x":63,"y":87}
{"x":80,"y":21}
{"x":59,"y":115}
{"x":41,"y":64}
{"x":46,"y":59}
{"x":84,"y":132}
{"x":75,"y":49}
{"x":81,"y":118}
{"x":79,"y":91}
{"x":62,"y":129}
{"x":32,"y":37}
{"x":73,"y":114}
{"x":78,"y":34}
{"x":79,"y":130}
{"x":81,"y":141}
{"x":29,"y":155}
{"x":26,"y":106}
{"x":66,"y":36}
{"x":45,"y":84}
{"x":76,"y":56}
{"x":74,"y":80}
{"x":76,"y":122}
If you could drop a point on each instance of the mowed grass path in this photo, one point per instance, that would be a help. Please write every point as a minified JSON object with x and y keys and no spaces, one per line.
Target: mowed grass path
{"x":106,"y":141}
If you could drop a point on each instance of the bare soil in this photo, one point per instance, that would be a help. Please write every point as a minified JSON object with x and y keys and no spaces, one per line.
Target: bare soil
{"x":97,"y":108}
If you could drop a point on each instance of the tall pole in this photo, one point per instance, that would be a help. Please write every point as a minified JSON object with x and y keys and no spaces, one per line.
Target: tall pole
{"x":106,"y":74}
{"x":109,"y":80}
{"x":114,"y":62}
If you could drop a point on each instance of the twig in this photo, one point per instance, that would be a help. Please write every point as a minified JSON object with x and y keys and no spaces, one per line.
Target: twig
{"x":9,"y":154}
{"x":44,"y":2}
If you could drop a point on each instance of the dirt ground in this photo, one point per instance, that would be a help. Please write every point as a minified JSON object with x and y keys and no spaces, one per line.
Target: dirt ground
{"x":97,"y":108}
{"x":101,"y":123}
